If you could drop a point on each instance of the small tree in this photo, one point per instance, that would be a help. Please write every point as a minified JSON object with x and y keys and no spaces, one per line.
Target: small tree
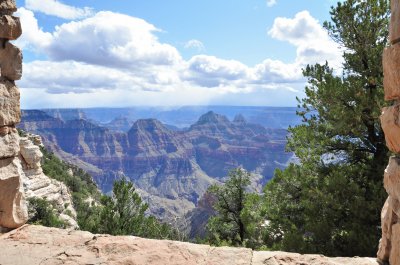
{"x":123,"y":212}
{"x":42,"y":213}
{"x":229,"y":225}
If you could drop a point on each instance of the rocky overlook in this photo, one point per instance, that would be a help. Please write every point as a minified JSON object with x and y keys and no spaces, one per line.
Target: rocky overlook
{"x":171,"y":169}
{"x":51,"y":246}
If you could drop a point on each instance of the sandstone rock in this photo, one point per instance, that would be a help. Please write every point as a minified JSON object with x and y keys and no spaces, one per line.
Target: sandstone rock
{"x":13,"y":211}
{"x":10,"y":113}
{"x":42,"y":245}
{"x":394,"y":28}
{"x":8,"y":5}
{"x":390,"y":123}
{"x":10,"y":27}
{"x":9,"y":145}
{"x":391,"y":64}
{"x":395,"y":253}
{"x":388,"y":218}
{"x":11,"y":62}
{"x":392,"y":178}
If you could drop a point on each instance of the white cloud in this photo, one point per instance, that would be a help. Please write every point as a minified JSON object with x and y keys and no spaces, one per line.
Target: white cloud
{"x":112,"y":54}
{"x":275,"y":71}
{"x":311,"y":40}
{"x":210,"y":71}
{"x":58,"y":9}
{"x":195,"y":44}
{"x":271,"y":3}
{"x":33,"y":36}
{"x":107,"y":38}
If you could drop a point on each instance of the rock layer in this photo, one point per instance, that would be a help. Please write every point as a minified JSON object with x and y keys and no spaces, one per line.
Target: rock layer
{"x":13,"y":210}
{"x":172,"y":168}
{"x":38,"y":185}
{"x":389,"y":245}
{"x":46,"y":246}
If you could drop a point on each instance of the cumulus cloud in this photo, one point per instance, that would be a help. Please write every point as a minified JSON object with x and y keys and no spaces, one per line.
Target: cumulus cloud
{"x":195,"y":44}
{"x":271,"y":3}
{"x":58,"y":9}
{"x":34,"y":37}
{"x":111,"y":39}
{"x":112,"y":54}
{"x":210,"y":71}
{"x":311,"y":40}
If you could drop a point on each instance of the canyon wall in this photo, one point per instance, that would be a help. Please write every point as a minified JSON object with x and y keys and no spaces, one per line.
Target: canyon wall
{"x":389,"y":247}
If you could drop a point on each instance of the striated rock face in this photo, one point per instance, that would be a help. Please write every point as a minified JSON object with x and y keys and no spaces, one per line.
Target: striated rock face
{"x":38,"y":185}
{"x":172,"y":169}
{"x":51,"y":246}
{"x":389,"y":246}
{"x":13,"y":210}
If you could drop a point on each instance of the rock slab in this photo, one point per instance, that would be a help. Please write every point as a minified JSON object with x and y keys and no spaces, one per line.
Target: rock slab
{"x":51,"y":246}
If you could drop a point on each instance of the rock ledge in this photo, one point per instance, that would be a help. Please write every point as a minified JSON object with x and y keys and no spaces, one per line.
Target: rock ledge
{"x":41,"y":245}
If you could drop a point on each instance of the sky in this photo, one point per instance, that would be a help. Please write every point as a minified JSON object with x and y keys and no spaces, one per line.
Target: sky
{"x":121,"y":53}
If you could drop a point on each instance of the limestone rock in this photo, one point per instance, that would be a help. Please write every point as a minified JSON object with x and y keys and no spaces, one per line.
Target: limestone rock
{"x":30,"y":153}
{"x":392,"y":178}
{"x":388,"y":218}
{"x":38,"y":185}
{"x":9,"y":145}
{"x":42,"y":245}
{"x":10,"y":113}
{"x":390,"y":123}
{"x":391,"y":64}
{"x":10,"y":27}
{"x":11,"y":62}
{"x":13,"y":210}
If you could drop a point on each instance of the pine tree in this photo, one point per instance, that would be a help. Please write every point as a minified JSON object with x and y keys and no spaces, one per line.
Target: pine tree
{"x":331,"y":202}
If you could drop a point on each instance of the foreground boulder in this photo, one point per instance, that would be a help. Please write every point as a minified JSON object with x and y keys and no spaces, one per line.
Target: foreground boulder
{"x":51,"y":246}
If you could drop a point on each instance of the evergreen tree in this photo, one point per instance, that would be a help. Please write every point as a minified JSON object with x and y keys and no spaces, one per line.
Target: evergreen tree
{"x":331,"y":202}
{"x":235,"y":209}
{"x":123,"y":213}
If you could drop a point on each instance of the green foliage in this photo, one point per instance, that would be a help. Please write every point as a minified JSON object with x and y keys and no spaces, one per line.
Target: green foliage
{"x":331,"y":203}
{"x":123,"y":213}
{"x":42,"y":213}
{"x":81,"y":186}
{"x":236,"y":220}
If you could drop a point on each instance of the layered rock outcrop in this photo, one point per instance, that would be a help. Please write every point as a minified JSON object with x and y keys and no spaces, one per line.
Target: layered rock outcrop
{"x":51,"y":246}
{"x":38,"y":185}
{"x":13,"y":210}
{"x":389,"y":247}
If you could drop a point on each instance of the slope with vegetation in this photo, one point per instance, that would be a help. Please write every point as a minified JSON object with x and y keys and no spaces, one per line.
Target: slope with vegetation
{"x":122,"y":213}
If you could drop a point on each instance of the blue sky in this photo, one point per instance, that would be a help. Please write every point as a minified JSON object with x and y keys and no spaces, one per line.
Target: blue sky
{"x":170,"y":52}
